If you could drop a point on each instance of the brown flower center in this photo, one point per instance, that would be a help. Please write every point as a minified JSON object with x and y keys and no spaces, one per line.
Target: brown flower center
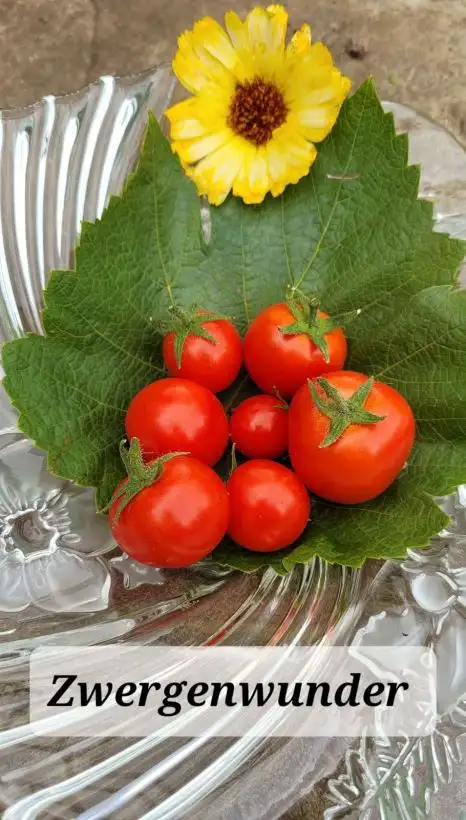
{"x":257,"y":109}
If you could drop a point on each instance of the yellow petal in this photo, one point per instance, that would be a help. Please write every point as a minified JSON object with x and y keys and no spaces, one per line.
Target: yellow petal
{"x":319,"y":56}
{"x":184,"y":120}
{"x":277,"y":164}
{"x":316,"y":134}
{"x":181,"y":110}
{"x":205,"y":113}
{"x":345,"y":85}
{"x":241,"y":185}
{"x":267,"y":29}
{"x":237,"y":30}
{"x":330,"y":92}
{"x":318,"y":87}
{"x":192,"y":150}
{"x":309,"y":59}
{"x":300,"y":42}
{"x":252,"y":182}
{"x":258,"y":173}
{"x":215,"y":174}
{"x":301,"y":155}
{"x":189,"y":128}
{"x":289,"y":159}
{"x":215,"y":41}
{"x":195,"y":68}
{"x":257,"y":23}
{"x":199,"y":122}
{"x":315,"y":123}
{"x":189,"y":74}
{"x":278,"y":25}
{"x":315,"y":87}
{"x":308,"y":132}
{"x":276,"y":8}
{"x":318,"y":116}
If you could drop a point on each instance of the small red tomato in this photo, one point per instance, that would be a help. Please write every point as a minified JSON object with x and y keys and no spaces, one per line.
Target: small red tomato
{"x":349,"y":436}
{"x":289,"y":343}
{"x":175,"y":521}
{"x":207,"y":351}
{"x":259,"y":427}
{"x":269,"y":506}
{"x":178,"y":415}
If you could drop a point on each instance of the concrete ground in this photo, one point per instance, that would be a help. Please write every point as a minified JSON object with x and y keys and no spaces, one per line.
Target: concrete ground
{"x":415,"y":49}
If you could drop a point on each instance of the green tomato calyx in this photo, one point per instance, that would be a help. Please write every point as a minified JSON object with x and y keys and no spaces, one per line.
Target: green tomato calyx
{"x":140,"y":475}
{"x":188,"y":322}
{"x":342,"y":412}
{"x":305,"y":311}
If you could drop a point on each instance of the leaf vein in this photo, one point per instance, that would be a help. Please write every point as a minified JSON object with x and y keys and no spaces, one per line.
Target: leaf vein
{"x":335,"y":203}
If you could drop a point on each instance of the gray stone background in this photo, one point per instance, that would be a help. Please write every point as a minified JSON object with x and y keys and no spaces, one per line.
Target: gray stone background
{"x":415,"y":49}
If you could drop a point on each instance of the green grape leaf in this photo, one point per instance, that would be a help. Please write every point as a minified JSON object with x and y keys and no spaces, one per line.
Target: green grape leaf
{"x":353,"y":232}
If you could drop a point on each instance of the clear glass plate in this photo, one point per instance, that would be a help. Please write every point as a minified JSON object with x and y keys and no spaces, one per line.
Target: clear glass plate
{"x":62,"y":581}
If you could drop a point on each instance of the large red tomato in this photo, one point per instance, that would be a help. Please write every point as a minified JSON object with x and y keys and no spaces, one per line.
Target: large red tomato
{"x":281,"y":352}
{"x":175,"y":521}
{"x":177,"y":415}
{"x":349,"y":436}
{"x":269,"y":506}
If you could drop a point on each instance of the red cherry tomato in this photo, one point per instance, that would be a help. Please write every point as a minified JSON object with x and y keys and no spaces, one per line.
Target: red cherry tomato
{"x":259,"y":427}
{"x":176,"y":521}
{"x":215,"y":362}
{"x":269,"y":506}
{"x":367,"y":457}
{"x":281,"y":362}
{"x":172,"y":415}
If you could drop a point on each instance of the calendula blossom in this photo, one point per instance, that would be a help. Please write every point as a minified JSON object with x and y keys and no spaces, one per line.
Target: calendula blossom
{"x":258,"y":106}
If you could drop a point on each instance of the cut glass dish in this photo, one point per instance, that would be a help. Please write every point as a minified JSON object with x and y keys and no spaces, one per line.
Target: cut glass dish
{"x":63,"y":581}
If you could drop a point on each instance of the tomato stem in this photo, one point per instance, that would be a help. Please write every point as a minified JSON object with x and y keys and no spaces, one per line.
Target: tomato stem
{"x":283,"y":405}
{"x":140,"y":475}
{"x":307,"y":321}
{"x":234,"y":462}
{"x":190,"y":321}
{"x":342,"y":412}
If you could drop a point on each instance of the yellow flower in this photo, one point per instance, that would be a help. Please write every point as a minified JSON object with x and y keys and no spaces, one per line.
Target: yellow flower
{"x":258,"y":106}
